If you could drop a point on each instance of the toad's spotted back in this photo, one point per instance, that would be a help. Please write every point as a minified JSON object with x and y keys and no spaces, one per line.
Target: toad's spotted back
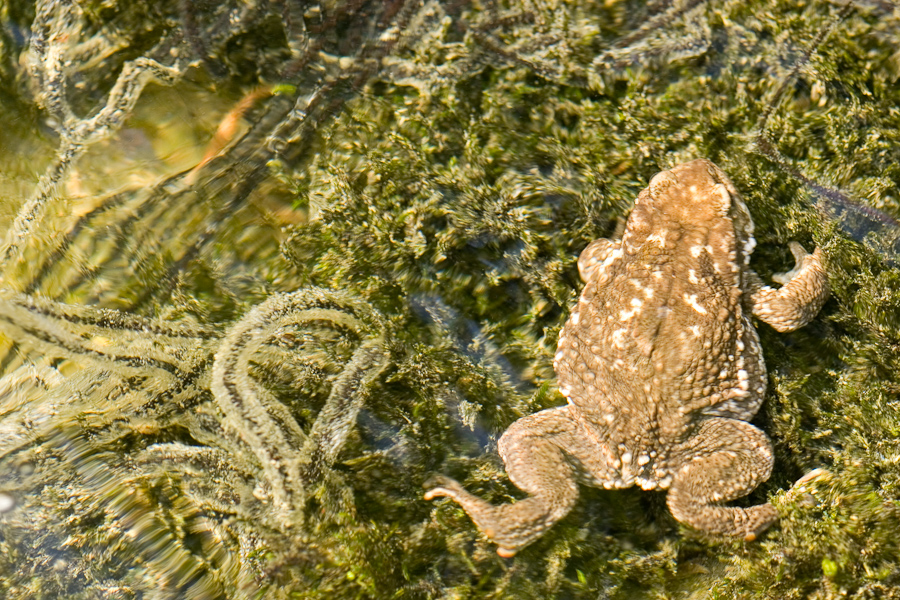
{"x":661,"y":367}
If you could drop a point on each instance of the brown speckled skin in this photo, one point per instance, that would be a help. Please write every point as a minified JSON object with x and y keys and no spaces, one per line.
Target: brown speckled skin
{"x":661,"y":367}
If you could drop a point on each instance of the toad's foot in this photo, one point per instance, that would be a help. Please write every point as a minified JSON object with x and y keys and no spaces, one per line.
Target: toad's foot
{"x":483,"y":513}
{"x":804,"y":490}
{"x":510,"y":526}
{"x":536,"y":451}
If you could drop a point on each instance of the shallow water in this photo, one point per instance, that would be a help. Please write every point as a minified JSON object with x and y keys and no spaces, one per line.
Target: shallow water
{"x":268,"y":267}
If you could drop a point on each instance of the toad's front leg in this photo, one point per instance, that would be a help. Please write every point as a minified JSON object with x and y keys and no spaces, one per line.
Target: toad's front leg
{"x":534,"y":451}
{"x":794,"y":304}
{"x":724,"y":460}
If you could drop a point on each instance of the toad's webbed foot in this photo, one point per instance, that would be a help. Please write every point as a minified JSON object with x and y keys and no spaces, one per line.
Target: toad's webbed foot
{"x":535,"y":450}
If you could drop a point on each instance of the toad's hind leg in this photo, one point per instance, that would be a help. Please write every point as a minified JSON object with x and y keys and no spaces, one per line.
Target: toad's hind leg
{"x":724,"y":460}
{"x":534,"y":451}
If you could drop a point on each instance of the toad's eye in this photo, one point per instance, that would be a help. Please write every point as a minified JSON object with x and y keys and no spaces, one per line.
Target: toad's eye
{"x":723,"y":197}
{"x":661,"y":182}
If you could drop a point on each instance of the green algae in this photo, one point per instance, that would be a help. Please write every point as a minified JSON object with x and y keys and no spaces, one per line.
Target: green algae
{"x":450,"y":190}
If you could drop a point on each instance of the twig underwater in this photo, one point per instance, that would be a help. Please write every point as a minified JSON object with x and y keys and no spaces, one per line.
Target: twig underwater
{"x":863,"y":223}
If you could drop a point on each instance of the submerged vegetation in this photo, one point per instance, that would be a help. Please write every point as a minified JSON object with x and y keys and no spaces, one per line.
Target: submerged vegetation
{"x":269,"y":265}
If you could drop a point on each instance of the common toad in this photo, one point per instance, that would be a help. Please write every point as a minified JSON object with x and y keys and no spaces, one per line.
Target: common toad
{"x":661,"y":367}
